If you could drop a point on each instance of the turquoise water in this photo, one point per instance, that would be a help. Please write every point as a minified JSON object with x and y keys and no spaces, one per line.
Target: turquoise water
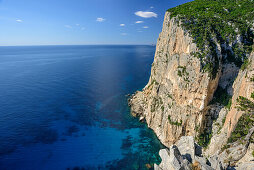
{"x":65,"y":107}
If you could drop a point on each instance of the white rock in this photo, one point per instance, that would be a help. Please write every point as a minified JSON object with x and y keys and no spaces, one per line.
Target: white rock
{"x":186,"y":147}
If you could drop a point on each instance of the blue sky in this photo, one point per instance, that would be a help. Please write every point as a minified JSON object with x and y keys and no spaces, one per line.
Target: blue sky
{"x":71,"y":22}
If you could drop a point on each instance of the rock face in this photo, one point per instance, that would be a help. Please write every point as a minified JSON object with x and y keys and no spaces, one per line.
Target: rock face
{"x":186,"y":147}
{"x":174,"y":101}
{"x":175,"y":158}
{"x":243,"y":86}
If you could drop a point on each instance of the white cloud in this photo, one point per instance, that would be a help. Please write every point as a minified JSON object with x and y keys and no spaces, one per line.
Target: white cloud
{"x":77,"y":24}
{"x":68,"y":26}
{"x":123,"y":33}
{"x":145,"y":27}
{"x":139,"y":22}
{"x":19,"y":20}
{"x":82,"y":28}
{"x":146,"y":14}
{"x":100,"y":19}
{"x":151,"y":7}
{"x":122,"y":25}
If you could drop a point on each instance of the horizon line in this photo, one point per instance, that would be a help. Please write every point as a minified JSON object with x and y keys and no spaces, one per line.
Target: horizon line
{"x":152,"y":44}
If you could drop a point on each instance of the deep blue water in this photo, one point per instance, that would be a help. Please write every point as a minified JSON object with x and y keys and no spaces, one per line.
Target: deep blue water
{"x":66,"y":107}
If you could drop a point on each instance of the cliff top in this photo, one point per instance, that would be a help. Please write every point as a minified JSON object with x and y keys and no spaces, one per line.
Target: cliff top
{"x":228,"y":22}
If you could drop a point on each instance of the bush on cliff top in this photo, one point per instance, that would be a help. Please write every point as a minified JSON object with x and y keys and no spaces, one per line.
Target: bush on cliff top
{"x":211,"y":21}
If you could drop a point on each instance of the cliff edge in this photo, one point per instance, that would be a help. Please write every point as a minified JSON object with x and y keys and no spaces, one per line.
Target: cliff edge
{"x":202,"y":84}
{"x":178,"y":92}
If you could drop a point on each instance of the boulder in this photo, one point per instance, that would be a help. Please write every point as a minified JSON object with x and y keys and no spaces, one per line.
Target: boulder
{"x":215,"y":163}
{"x":200,"y":163}
{"x":156,"y":167}
{"x":165,"y":158}
{"x":186,"y":146}
{"x":172,"y":160}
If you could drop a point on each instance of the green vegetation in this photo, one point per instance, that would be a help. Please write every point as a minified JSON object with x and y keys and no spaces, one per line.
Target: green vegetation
{"x":157,"y":101}
{"x":170,"y":96}
{"x":221,"y":96}
{"x":176,"y":123}
{"x":245,"y":104}
{"x":252,"y":95}
{"x":225,"y":147}
{"x":243,"y":126}
{"x":204,"y":139}
{"x":197,"y":128}
{"x":252,"y":78}
{"x":181,"y":72}
{"x":218,"y":21}
{"x":153,"y":82}
{"x":229,"y":103}
{"x":245,"y":64}
{"x":223,"y":120}
{"x":162,"y":108}
{"x":253,"y":153}
{"x":246,"y":121}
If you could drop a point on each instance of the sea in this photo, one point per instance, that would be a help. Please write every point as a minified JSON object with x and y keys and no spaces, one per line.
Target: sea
{"x":65,"y":107}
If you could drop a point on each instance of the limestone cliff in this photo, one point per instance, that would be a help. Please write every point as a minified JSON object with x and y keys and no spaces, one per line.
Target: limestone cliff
{"x":243,"y":87}
{"x":202,"y":85}
{"x":174,"y":101}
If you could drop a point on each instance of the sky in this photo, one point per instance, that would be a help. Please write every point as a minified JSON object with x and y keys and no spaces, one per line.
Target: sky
{"x":82,"y":22}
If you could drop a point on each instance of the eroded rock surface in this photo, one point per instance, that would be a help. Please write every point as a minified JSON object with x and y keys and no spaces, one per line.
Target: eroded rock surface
{"x":178,"y":91}
{"x":175,"y":158}
{"x":175,"y":104}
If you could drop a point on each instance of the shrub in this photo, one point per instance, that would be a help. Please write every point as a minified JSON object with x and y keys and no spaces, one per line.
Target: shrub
{"x":204,"y":139}
{"x":246,"y":121}
{"x":176,"y":123}
{"x":221,"y":96}
{"x":245,"y":64}
{"x":211,"y":21}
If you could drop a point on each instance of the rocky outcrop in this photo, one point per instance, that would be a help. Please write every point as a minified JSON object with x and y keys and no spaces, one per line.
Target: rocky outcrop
{"x":247,"y":162}
{"x":172,"y":159}
{"x":176,"y":157}
{"x":174,"y":101}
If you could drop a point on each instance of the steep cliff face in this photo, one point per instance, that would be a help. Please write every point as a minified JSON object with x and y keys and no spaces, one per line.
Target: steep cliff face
{"x":243,"y":86}
{"x":174,"y":101}
{"x":202,"y":84}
